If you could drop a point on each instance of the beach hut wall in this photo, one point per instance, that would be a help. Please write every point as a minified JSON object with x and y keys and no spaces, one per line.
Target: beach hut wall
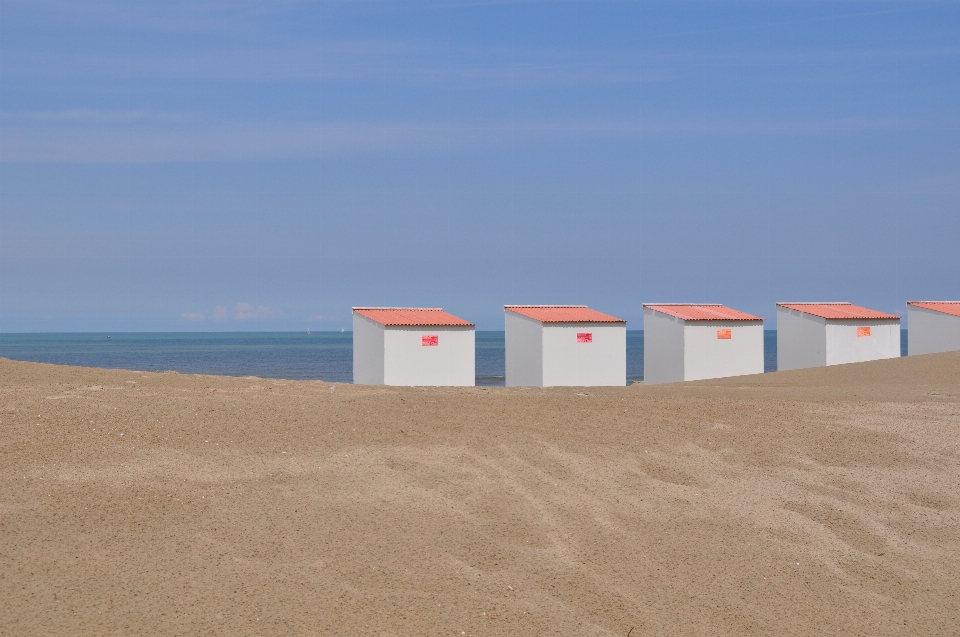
{"x":412,"y":346}
{"x":564,"y":345}
{"x":819,"y":334}
{"x":933,"y":326}
{"x":684,"y":341}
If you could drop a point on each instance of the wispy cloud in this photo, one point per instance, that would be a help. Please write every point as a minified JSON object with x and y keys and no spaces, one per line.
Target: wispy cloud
{"x":242,"y":142}
{"x":246,"y":312}
{"x":376,"y":61}
{"x":259,"y":46}
{"x":219,"y":16}
{"x":89,"y":116}
{"x":386,"y":61}
{"x":183,"y":16}
{"x":239,"y":312}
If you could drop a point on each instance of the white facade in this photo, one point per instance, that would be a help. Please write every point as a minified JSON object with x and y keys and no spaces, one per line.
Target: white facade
{"x":564,"y":353}
{"x":368,"y":351}
{"x":932,"y":331}
{"x":676,"y":349}
{"x":429,"y":355}
{"x":807,"y":340}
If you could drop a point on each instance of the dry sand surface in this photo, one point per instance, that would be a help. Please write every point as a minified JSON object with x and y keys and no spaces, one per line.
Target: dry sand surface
{"x":814,"y":502}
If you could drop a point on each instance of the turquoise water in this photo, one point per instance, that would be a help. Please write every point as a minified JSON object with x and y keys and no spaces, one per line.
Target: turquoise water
{"x":292,"y":355}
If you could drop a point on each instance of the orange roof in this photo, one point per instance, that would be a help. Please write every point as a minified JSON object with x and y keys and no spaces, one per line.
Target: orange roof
{"x":414,"y":316}
{"x":563,"y":314}
{"x":702,"y":312}
{"x":947,"y":307}
{"x":838,"y":311}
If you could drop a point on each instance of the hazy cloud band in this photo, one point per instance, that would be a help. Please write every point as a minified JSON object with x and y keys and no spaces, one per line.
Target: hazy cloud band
{"x":238,"y":142}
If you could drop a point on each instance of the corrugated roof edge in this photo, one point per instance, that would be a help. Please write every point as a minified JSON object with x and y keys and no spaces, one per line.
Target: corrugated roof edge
{"x":814,"y":303}
{"x":734,"y":315}
{"x":562,"y":313}
{"x":845,"y":310}
{"x":432,"y":309}
{"x":950,"y":308}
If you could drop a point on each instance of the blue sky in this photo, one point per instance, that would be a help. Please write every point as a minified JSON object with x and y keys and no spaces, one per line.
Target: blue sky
{"x":267,"y":165}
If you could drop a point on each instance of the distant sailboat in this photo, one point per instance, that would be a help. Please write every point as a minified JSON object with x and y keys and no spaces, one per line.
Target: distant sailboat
{"x":308,"y":331}
{"x":341,"y":330}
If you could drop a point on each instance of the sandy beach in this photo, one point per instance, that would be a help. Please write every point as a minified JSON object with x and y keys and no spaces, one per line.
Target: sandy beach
{"x":813,"y":502}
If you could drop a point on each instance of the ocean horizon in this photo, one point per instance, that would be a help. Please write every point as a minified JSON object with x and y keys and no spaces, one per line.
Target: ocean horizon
{"x":326,"y":356}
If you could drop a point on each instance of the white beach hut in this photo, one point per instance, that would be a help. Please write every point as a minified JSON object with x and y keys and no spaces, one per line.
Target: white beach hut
{"x":412,"y":346}
{"x":933,"y":326}
{"x":818,"y":334}
{"x":686,"y":341}
{"x":564,"y":345}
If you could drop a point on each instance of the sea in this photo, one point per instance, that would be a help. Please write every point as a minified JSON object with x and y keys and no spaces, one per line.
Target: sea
{"x":326,"y":356}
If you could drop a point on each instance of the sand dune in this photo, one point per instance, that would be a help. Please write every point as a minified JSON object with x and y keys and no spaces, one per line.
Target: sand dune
{"x":814,"y":502}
